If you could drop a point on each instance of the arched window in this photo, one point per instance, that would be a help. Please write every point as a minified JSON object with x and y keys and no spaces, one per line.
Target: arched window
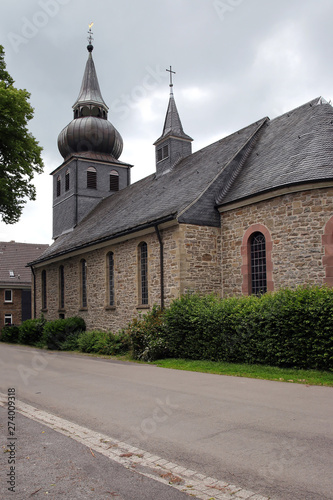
{"x":114,"y":180}
{"x":67,"y":181}
{"x":58,"y":185}
{"x":61,"y":287}
{"x":143,"y":273}
{"x":91,"y":178}
{"x":44,"y":294}
{"x":257,"y":266}
{"x":110,"y":258}
{"x":83,"y":265}
{"x":258,"y":263}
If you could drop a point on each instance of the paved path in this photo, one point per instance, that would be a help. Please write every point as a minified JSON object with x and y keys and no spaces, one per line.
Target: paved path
{"x":266,"y":438}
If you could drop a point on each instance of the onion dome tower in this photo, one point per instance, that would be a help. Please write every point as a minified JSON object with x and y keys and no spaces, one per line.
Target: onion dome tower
{"x":90,"y":146}
{"x":174,"y":144}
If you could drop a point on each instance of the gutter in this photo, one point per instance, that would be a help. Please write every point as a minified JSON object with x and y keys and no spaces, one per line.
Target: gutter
{"x":161,"y":264}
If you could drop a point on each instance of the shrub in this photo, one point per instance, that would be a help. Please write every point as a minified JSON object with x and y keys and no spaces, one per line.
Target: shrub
{"x":288,"y":328}
{"x":146,"y":340}
{"x":10,"y":333}
{"x":56,"y":332}
{"x":31,"y":331}
{"x":104,"y":342}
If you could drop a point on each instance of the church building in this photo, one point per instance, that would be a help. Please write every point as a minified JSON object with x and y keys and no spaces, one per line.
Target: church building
{"x":248,"y":214}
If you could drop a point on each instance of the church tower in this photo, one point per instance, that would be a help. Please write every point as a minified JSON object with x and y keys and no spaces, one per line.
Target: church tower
{"x":90,"y":146}
{"x":174,"y":144}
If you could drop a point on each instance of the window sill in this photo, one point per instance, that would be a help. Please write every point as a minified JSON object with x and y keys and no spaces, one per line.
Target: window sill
{"x":110,"y":308}
{"x":83,"y":309}
{"x":143,"y":306}
{"x":44,"y":310}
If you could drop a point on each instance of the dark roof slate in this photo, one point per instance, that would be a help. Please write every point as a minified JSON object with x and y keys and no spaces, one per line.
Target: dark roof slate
{"x":293,"y":148}
{"x":14,"y":257}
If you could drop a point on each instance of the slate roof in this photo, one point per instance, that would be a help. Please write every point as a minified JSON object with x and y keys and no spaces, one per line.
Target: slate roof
{"x":172,"y":124}
{"x":293,"y":148}
{"x":14,"y":257}
{"x":90,"y":91}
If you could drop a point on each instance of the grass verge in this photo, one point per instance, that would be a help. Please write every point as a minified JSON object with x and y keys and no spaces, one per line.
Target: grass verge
{"x":308,"y":377}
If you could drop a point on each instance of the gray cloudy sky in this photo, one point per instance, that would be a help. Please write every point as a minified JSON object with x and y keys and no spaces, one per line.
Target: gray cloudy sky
{"x":235,"y":61}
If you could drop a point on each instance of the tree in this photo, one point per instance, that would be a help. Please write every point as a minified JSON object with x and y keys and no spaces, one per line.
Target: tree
{"x":20,"y":154}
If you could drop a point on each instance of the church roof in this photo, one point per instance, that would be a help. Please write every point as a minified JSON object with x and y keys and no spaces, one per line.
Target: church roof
{"x":293,"y":148}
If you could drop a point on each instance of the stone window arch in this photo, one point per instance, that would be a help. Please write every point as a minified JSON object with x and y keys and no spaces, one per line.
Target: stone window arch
{"x":257,"y":266}
{"x":61,"y":287}
{"x":327,"y":240}
{"x":143,"y":272}
{"x":83,"y":280}
{"x":111,"y":290}
{"x":44,"y":290}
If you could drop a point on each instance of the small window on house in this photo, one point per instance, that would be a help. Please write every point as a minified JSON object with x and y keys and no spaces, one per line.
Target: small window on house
{"x":8,"y":319}
{"x":143,"y":273}
{"x":83,"y":283}
{"x":91,"y":178}
{"x":44,"y":292}
{"x":111,"y":278}
{"x":258,"y":263}
{"x":61,"y":287}
{"x":114,"y":180}
{"x":11,"y":274}
{"x":58,"y":185}
{"x":67,"y":181}
{"x":8,"y":295}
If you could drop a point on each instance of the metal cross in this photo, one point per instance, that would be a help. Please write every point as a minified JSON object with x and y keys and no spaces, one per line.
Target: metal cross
{"x":170,"y":71}
{"x":90,"y":33}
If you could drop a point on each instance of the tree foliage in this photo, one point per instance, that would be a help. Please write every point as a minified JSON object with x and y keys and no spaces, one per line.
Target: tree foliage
{"x":20,"y":154}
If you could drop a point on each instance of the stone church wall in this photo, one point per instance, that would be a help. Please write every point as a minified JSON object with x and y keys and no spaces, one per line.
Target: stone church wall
{"x":191,"y":262}
{"x":295,"y":223}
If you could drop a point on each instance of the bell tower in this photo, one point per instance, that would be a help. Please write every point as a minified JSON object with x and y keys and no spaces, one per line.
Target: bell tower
{"x":90,"y":146}
{"x":174,"y":144}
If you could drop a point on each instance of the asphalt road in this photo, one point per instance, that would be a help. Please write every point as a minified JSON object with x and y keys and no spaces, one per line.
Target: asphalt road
{"x":273,"y":438}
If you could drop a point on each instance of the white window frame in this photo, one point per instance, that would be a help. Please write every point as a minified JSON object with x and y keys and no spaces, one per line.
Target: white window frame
{"x":11,"y":296}
{"x":8,"y":316}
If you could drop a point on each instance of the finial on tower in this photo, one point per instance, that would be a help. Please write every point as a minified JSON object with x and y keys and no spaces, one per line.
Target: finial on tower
{"x":90,"y":46}
{"x":171,"y":84}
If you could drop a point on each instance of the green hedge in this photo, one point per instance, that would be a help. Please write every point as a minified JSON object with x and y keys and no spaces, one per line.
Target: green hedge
{"x":56,"y":333}
{"x":31,"y":331}
{"x":289,"y":328}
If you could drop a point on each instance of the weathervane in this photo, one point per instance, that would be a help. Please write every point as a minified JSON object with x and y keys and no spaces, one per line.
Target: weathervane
{"x":90,"y":33}
{"x":171,"y":72}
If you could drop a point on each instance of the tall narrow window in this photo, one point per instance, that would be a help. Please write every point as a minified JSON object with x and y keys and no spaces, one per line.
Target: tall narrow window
{"x":44,"y":293}
{"x":143,"y":261}
{"x":58,"y":185}
{"x":67,"y":181}
{"x":83,"y":283}
{"x":111,"y":278}
{"x":8,"y":295}
{"x":258,"y":264}
{"x":91,"y":178}
{"x":114,"y":180}
{"x":61,"y":287}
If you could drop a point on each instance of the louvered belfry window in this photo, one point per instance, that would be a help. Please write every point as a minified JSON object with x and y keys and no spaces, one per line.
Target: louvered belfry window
{"x":258,"y":264}
{"x":91,"y":178}
{"x":58,"y":185}
{"x":143,"y":255}
{"x":67,"y":181}
{"x":114,"y":180}
{"x":111,"y":279}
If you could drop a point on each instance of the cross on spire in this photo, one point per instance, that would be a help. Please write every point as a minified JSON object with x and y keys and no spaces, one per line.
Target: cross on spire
{"x":171,"y":72}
